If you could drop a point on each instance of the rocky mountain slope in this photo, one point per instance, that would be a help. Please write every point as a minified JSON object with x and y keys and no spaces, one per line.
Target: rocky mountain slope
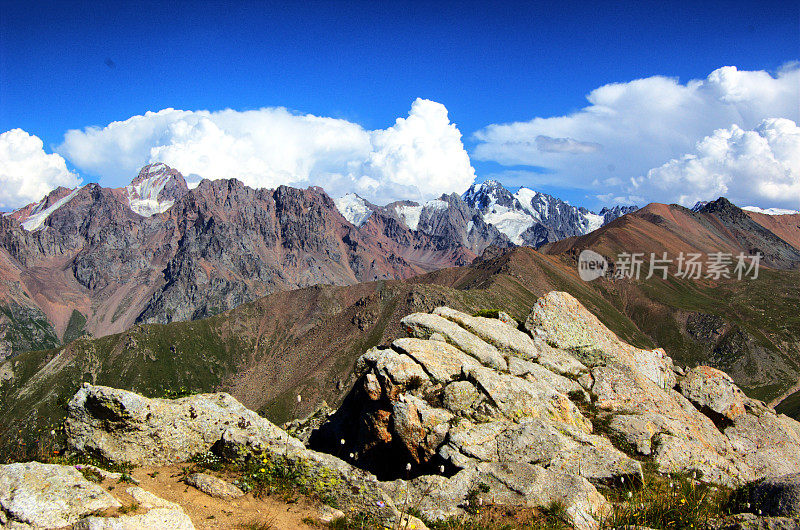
{"x":532,"y":218}
{"x":308,"y":340}
{"x":695,"y":321}
{"x":465,"y":411}
{"x":96,"y":260}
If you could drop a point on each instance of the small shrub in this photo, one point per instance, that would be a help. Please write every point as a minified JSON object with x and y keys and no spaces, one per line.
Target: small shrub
{"x":127,"y":478}
{"x":207,"y":460}
{"x":129,"y":508}
{"x":89,"y":460}
{"x":270,"y":474}
{"x":91,"y":474}
{"x":488,"y":313}
{"x":415,"y":382}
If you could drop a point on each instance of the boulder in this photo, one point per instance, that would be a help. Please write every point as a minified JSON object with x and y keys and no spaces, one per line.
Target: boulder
{"x":327,"y":515}
{"x":420,"y":427}
{"x":441,"y":361}
{"x":49,"y":495}
{"x":766,"y":443}
{"x":713,"y":390}
{"x":147,"y":500}
{"x":516,"y":398}
{"x":775,"y":496}
{"x":160,"y":518}
{"x":549,"y":444}
{"x":125,"y":427}
{"x":557,"y":360}
{"x":536,"y":372}
{"x":562,"y":321}
{"x":749,"y":521}
{"x":213,"y":486}
{"x":514,"y":483}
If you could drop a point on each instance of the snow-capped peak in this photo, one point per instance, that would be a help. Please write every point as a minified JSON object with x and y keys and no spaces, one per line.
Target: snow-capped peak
{"x":144,"y":193}
{"x":515,"y":214}
{"x":770,"y":211}
{"x":411,"y":214}
{"x":38,"y":217}
{"x":353,"y":208}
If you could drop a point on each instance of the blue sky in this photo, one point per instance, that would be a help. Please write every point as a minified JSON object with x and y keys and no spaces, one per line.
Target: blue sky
{"x":71,"y":65}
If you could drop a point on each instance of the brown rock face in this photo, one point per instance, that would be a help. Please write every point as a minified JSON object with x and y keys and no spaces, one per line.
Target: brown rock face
{"x":156,"y":251}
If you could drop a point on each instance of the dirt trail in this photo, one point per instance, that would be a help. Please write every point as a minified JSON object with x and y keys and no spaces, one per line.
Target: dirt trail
{"x":211,"y":513}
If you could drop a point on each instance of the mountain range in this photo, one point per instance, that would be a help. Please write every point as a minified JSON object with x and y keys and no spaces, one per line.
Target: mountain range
{"x":307,"y":340}
{"x":97,"y":260}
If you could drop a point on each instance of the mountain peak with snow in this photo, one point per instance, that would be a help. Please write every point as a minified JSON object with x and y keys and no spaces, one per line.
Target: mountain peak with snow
{"x":155,"y":189}
{"x":353,"y":208}
{"x":770,"y":211}
{"x":529,"y":217}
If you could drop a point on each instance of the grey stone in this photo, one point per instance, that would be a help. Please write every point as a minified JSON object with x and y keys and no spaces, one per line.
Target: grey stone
{"x":505,"y":338}
{"x":713,"y":389}
{"x":425,"y":325}
{"x":775,"y":496}
{"x":558,"y":360}
{"x":537,"y":372}
{"x":517,"y":398}
{"x":49,"y":495}
{"x":147,"y":500}
{"x":157,"y":518}
{"x":563,"y":321}
{"x":461,"y":397}
{"x":441,"y":361}
{"x":125,"y":427}
{"x":327,"y":515}
{"x":213,"y":486}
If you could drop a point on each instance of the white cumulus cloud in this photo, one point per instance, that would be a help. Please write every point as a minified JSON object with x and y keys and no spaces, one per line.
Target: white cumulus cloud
{"x":760,"y":166}
{"x":419,"y":157}
{"x":629,"y":128}
{"x":27,"y":173}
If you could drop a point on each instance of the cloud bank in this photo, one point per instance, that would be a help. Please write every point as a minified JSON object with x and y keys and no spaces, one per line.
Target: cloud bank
{"x":419,"y":157}
{"x":761,"y":166}
{"x":610,"y":146}
{"x":27,"y":173}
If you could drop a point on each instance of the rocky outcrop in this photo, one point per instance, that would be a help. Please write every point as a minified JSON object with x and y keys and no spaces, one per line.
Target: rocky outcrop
{"x":124,"y":427}
{"x":471,"y":401}
{"x":468,"y":409}
{"x":128,"y":428}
